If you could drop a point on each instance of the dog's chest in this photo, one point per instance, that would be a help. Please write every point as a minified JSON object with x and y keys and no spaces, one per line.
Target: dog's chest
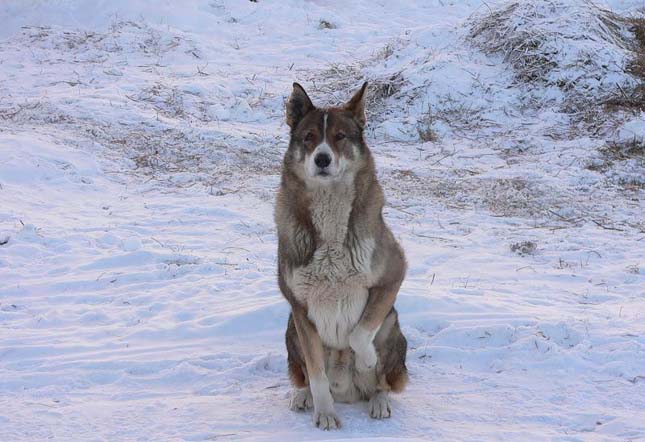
{"x":330,"y":209}
{"x":336,"y":314}
{"x":334,"y":284}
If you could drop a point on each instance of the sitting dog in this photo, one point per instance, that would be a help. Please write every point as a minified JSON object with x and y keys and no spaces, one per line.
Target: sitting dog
{"x":339,"y":266}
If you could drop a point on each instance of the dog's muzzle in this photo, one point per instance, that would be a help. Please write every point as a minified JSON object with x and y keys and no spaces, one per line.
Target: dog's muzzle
{"x":322,"y":161}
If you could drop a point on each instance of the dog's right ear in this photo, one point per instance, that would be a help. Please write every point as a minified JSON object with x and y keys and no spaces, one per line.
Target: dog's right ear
{"x":298,"y":106}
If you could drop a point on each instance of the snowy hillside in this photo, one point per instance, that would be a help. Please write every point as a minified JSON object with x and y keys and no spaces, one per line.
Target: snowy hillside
{"x":140,"y":151}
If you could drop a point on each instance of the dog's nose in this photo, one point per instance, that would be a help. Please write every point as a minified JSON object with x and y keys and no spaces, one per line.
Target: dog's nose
{"x":322,"y":160}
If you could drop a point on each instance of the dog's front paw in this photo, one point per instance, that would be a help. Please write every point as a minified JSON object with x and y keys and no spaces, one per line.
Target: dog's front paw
{"x":301,"y":399}
{"x":365,"y":354}
{"x":366,"y":359}
{"x":327,"y":420}
{"x":379,"y":406}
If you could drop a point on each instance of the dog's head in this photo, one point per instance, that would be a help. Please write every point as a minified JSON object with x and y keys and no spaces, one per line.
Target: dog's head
{"x":326,"y":145}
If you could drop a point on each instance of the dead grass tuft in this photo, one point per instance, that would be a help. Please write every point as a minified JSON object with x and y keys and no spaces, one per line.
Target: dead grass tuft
{"x":524,"y":248}
{"x":167,"y":100}
{"x":324,"y":24}
{"x":96,"y":47}
{"x":637,"y":67}
{"x":633,"y":98}
{"x":339,"y":82}
{"x":623,"y":163}
{"x":531,"y":35}
{"x":514,"y":197}
{"x":425,"y":129}
{"x":633,"y":149}
{"x":576,"y":47}
{"x":183,"y":158}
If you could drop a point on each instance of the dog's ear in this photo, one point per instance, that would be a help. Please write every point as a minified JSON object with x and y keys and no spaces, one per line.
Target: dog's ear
{"x":298,"y":106}
{"x":357,"y":105}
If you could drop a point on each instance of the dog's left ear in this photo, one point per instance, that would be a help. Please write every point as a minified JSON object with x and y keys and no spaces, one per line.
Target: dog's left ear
{"x":298,"y":106}
{"x":357,"y":105}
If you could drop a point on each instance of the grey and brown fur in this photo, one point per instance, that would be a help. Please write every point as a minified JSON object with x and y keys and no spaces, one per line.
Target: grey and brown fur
{"x":339,"y":266}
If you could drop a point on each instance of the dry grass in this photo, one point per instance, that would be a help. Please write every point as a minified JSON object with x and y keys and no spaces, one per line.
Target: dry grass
{"x":633,"y":98}
{"x":163,"y":146}
{"x":524,"y":248}
{"x":594,"y":57}
{"x":519,"y":46}
{"x":177,"y":157}
{"x":534,"y":36}
{"x":580,"y":48}
{"x":425,"y":129}
{"x":633,"y":149}
{"x":324,"y":24}
{"x":182,"y":157}
{"x":427,"y":133}
{"x":576,"y":47}
{"x":516,"y":197}
{"x":339,"y":82}
{"x":34,"y":112}
{"x":621,"y":162}
{"x":506,"y":197}
{"x":637,"y":66}
{"x":96,"y":47}
{"x":166,"y":100}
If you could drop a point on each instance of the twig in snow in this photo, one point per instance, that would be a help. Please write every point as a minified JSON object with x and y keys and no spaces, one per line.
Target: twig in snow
{"x":606,"y":227}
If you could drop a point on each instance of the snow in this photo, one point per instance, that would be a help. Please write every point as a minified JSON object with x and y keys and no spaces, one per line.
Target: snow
{"x":140,"y":149}
{"x":633,"y":129}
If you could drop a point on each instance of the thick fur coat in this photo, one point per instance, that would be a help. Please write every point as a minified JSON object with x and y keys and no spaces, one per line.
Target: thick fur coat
{"x":339,"y":266}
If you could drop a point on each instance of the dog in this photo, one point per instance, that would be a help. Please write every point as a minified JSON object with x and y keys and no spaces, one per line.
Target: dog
{"x":339,"y":265}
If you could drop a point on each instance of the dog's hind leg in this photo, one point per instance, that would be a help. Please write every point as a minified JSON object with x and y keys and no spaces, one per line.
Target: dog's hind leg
{"x":301,"y":399}
{"x":392,"y":376}
{"x":295,"y":358}
{"x":392,"y":351}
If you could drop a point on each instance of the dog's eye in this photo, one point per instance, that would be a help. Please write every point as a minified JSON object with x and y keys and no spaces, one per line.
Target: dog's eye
{"x":340,"y":136}
{"x":309,"y":136}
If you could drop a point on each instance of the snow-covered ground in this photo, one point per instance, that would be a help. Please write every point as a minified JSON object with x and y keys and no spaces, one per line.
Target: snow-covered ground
{"x":140,"y":149}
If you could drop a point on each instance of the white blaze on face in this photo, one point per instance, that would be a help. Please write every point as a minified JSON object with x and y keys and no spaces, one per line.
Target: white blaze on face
{"x":325,"y":127}
{"x":323,"y":147}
